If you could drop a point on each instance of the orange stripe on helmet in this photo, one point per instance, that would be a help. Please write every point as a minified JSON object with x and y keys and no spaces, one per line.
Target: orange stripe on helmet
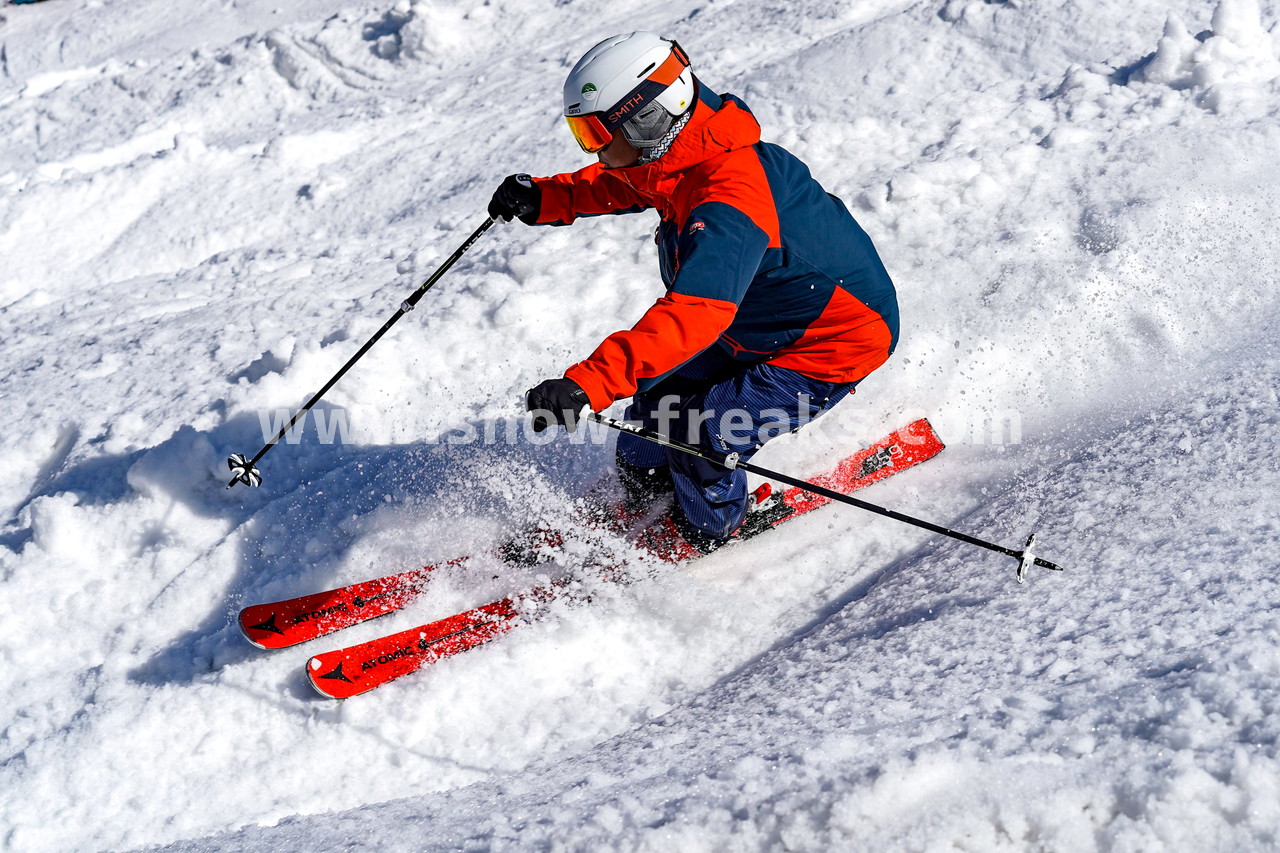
{"x":672,"y":67}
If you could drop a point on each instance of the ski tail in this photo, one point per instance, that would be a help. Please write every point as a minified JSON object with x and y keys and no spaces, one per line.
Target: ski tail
{"x":902,"y":449}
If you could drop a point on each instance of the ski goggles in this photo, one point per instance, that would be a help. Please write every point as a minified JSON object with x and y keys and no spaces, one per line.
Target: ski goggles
{"x":590,"y":132}
{"x":594,"y":131}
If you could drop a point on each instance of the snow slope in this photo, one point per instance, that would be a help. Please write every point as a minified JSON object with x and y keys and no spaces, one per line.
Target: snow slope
{"x":1130,"y":705}
{"x":204,"y":211}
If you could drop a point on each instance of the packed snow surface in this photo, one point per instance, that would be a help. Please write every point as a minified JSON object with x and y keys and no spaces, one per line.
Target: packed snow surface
{"x":206,"y":208}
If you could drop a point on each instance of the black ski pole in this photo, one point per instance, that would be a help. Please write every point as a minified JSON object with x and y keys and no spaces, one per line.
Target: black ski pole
{"x":245,"y":470}
{"x":1024,"y":557}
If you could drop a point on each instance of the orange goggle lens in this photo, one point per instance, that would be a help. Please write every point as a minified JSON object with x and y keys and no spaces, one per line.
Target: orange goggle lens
{"x":590,"y":132}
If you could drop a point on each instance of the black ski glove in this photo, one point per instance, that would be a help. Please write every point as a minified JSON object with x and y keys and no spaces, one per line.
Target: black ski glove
{"x":518,"y":196}
{"x":556,"y":401}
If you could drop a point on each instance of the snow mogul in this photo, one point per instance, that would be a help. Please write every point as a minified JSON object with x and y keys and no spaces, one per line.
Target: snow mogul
{"x":776,"y":303}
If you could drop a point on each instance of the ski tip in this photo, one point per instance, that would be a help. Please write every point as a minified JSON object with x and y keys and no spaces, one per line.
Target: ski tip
{"x":244,"y":632}
{"x":321,"y":692}
{"x":330,"y":681}
{"x":254,"y":642}
{"x":258,"y":631}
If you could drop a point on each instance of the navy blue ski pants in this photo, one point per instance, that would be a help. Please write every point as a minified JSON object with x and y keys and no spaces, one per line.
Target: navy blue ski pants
{"x":724,"y":406}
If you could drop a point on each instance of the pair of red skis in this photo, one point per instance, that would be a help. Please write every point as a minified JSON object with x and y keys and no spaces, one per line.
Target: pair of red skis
{"x":360,"y":668}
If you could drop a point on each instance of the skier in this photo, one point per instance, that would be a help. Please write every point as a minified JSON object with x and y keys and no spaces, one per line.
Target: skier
{"x":776,"y":302}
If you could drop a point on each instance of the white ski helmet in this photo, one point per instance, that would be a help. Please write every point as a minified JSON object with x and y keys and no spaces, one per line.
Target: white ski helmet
{"x":639,"y":82}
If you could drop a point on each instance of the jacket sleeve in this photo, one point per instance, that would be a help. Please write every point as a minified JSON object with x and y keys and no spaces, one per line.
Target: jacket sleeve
{"x":587,"y":192}
{"x":673,"y":330}
{"x":718,"y":254}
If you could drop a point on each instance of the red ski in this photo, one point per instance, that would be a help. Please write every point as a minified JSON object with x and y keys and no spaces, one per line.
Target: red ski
{"x":296,"y":620}
{"x":358,"y":669}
